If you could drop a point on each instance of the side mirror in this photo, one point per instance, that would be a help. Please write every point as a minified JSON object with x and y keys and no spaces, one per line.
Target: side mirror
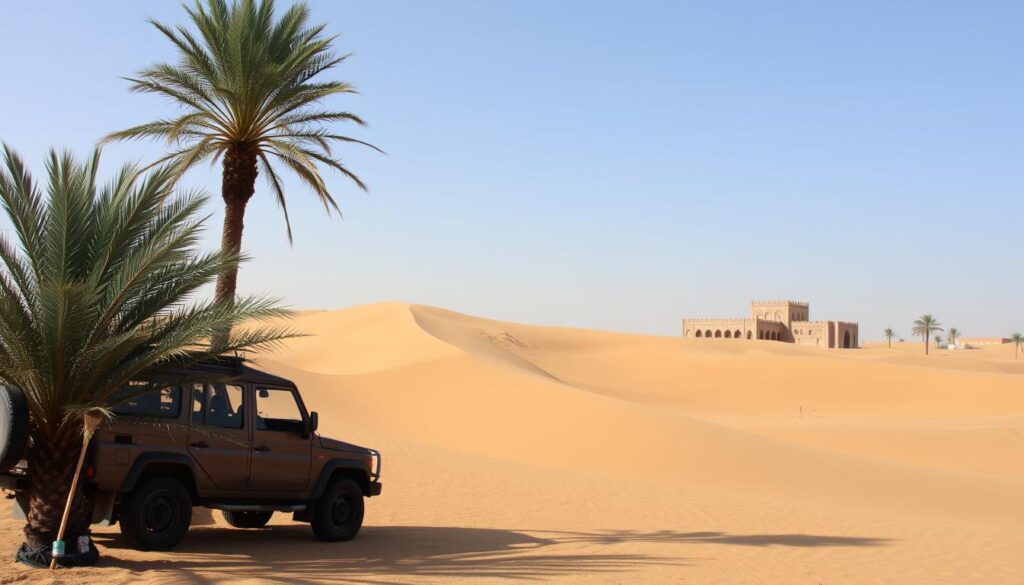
{"x":313,"y":424}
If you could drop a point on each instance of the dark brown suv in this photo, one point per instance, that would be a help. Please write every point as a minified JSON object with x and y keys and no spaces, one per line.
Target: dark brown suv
{"x":244,"y":444}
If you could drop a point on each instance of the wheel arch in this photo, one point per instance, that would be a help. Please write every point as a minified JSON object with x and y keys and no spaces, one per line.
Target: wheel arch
{"x":173,"y":465}
{"x":343,"y":468}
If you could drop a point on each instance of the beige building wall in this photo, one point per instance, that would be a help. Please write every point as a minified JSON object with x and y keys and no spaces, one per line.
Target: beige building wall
{"x":720,"y":328}
{"x":981,"y":341}
{"x":814,"y":333}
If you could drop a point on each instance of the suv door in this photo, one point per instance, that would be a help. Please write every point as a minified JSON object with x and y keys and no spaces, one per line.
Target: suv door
{"x":218,"y":438}
{"x":281,"y":446}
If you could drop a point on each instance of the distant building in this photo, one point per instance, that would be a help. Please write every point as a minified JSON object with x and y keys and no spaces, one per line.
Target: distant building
{"x":786,"y":321}
{"x":969,"y":342}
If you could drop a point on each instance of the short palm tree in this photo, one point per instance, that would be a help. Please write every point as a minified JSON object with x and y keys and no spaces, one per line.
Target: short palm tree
{"x":951,"y":336}
{"x":245,"y":86}
{"x":889,"y":334}
{"x":1018,"y":343}
{"x":925,"y":326}
{"x":99,"y":288}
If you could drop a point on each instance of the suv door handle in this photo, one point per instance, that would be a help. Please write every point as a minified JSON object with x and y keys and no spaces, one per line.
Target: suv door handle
{"x":261,"y":448}
{"x":199,"y":445}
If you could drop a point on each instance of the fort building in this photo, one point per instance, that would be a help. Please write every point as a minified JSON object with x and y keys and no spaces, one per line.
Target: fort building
{"x":786,"y":321}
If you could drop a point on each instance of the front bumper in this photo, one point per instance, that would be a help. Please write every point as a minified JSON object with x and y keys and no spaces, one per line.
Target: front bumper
{"x":375,"y":488}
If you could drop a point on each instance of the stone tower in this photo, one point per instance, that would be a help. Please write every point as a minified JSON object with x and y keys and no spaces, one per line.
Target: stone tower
{"x":783,"y":311}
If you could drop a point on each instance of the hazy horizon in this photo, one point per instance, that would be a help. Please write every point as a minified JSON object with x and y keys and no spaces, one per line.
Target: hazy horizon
{"x":613,"y":166}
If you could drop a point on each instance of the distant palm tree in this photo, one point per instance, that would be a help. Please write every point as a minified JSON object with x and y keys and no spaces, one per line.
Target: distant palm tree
{"x":925,"y":326}
{"x":889,"y":334}
{"x":98,"y":289}
{"x":245,"y":85}
{"x":952,"y":335}
{"x":1018,"y":343}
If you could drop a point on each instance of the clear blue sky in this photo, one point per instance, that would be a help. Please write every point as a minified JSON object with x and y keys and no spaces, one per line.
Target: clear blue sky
{"x":615,"y":165}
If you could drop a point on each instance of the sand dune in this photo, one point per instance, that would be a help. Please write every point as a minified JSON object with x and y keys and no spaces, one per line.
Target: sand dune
{"x":518,"y":452}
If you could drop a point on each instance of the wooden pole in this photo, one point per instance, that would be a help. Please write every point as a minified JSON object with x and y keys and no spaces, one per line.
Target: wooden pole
{"x":91,"y":423}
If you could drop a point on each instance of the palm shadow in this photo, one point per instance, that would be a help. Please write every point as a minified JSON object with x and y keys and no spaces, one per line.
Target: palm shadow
{"x":395,"y":553}
{"x":670,"y":536}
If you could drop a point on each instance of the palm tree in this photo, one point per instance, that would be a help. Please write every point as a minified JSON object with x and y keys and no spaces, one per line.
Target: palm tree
{"x":952,"y":335}
{"x":889,"y":334}
{"x":99,"y":287}
{"x":244,"y":83}
{"x":924,"y":326}
{"x":1018,"y":343}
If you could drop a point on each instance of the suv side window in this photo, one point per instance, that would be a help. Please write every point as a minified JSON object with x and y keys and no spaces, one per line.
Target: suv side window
{"x":218,"y":405}
{"x":278,"y":410}
{"x":133,"y":399}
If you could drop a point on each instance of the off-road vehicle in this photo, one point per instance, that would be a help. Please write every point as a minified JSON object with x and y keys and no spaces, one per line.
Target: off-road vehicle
{"x":241,"y":442}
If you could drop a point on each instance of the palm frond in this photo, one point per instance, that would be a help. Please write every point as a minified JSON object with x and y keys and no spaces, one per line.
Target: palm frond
{"x":102,"y":287}
{"x":248,"y":81}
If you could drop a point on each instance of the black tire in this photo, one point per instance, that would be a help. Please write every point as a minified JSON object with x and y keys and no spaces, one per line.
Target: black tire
{"x":156,"y":515}
{"x":14,"y":426}
{"x":248,"y":519}
{"x":338,"y":513}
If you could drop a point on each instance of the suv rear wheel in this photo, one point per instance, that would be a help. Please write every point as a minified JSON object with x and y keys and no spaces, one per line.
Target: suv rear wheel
{"x":338,"y":513}
{"x":248,"y":519}
{"x":156,"y":515}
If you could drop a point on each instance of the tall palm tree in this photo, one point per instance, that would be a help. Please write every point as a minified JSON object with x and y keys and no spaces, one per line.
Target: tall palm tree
{"x":1018,"y":343}
{"x":245,"y":86}
{"x":889,"y":334}
{"x":951,"y":336}
{"x":99,"y":287}
{"x":925,"y":326}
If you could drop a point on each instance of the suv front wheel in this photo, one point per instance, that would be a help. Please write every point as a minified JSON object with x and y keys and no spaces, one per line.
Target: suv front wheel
{"x":156,"y":515}
{"x":338,"y":513}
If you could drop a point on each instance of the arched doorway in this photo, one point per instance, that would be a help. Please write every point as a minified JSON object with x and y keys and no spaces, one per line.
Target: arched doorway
{"x":728,"y":334}
{"x":698,"y":333}
{"x":749,"y":334}
{"x":846,"y":339}
{"x":738,"y":334}
{"x":718,"y":332}
{"x":707,"y":333}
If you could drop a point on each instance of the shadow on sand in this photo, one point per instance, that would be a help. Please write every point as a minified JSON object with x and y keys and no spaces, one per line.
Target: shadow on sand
{"x":390,"y":553}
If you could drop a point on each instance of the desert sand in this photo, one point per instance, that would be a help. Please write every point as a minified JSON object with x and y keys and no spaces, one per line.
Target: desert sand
{"x":516,"y":453}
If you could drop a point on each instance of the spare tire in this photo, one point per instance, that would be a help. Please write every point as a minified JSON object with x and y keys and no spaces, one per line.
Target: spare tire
{"x":13,"y":426}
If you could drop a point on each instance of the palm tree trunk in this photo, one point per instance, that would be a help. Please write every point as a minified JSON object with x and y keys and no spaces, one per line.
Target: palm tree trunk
{"x":52,"y":468}
{"x":238,"y":183}
{"x":926,"y":340}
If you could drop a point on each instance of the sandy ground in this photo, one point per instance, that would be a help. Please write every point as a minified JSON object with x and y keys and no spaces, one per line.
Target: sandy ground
{"x":517,"y":453}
